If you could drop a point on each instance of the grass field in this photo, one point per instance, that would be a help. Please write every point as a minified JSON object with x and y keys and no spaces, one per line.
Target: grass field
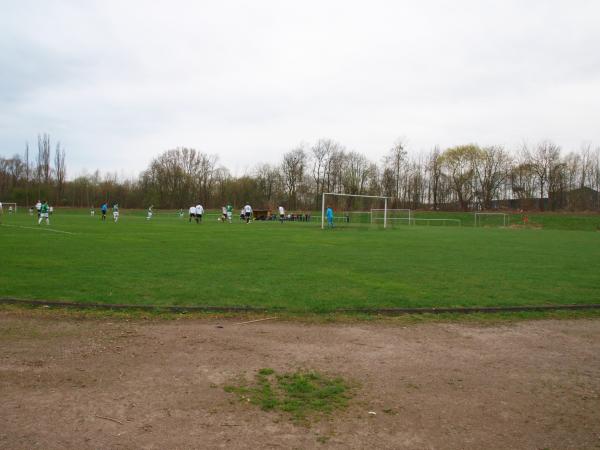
{"x":298,"y":266}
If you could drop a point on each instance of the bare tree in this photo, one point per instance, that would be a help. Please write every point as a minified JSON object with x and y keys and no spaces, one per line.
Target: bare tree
{"x":292,"y":167}
{"x":27,"y":174}
{"x":43,"y":170}
{"x":542,"y":161}
{"x":395,"y":160}
{"x":435,"y":176}
{"x":60,"y":170}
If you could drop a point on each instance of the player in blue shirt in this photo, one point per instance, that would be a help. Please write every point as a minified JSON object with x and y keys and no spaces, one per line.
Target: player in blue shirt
{"x":104,"y":208}
{"x":329,"y":217}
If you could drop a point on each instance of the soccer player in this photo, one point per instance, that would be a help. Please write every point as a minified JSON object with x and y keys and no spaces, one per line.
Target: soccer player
{"x":44,"y":213}
{"x":92,"y":211}
{"x":329,"y":217}
{"x":104,"y":209}
{"x":180,"y":213}
{"x":1,"y":212}
{"x":192,"y":213}
{"x":229,"y":211}
{"x":116,"y":212}
{"x":38,"y":206}
{"x":223,"y":213}
{"x":149,"y":216}
{"x":199,"y":212}
{"x":281,"y":214}
{"x":248,"y":212}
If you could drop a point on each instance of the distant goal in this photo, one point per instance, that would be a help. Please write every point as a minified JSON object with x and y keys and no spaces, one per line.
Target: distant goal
{"x":492,"y":220}
{"x":9,"y":207}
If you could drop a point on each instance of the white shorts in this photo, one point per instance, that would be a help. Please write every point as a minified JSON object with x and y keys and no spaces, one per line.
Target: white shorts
{"x":229,"y":215}
{"x":116,"y":214}
{"x":44,"y":215}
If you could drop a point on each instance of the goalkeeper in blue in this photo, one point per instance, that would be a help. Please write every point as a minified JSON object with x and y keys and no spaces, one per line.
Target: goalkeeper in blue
{"x":329,"y":217}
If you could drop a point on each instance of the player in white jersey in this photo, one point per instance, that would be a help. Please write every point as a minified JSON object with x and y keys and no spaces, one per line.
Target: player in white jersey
{"x":149,"y":216}
{"x":116,"y":212}
{"x":192,"y":213}
{"x":281,"y":214}
{"x":248,"y":213}
{"x":199,"y":213}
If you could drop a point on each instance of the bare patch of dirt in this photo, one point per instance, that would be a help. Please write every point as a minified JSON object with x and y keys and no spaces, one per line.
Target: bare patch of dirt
{"x":94,"y":383}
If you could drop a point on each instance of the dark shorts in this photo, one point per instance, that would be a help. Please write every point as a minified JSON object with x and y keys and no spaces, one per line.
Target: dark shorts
{"x":247,"y":215}
{"x":192,"y":215}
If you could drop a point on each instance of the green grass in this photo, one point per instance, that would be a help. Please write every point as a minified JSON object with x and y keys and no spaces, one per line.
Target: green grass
{"x":302,"y":394}
{"x":297,"y":266}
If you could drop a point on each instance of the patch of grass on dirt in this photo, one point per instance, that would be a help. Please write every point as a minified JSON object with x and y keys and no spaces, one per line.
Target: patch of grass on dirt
{"x":302,"y":394}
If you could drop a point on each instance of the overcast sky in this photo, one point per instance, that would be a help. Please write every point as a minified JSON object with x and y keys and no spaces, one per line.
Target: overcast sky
{"x":118,"y":82}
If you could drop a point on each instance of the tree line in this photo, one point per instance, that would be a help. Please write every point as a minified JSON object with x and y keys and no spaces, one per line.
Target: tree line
{"x":465,"y":177}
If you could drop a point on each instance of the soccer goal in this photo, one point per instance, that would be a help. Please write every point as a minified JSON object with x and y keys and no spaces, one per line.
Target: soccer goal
{"x":392,"y":216}
{"x":353,"y":209}
{"x":9,"y":207}
{"x":492,"y":220}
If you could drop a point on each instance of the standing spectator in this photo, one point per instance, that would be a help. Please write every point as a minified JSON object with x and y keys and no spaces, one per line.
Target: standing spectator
{"x":281,"y":214}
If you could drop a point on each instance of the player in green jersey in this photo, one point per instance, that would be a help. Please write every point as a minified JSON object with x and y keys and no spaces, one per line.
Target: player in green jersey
{"x":44,"y":209}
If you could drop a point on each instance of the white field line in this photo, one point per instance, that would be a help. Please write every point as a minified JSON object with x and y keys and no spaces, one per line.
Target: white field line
{"x":36,"y":228}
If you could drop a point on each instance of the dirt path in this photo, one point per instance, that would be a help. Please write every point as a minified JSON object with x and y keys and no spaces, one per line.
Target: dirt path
{"x":68,"y":383}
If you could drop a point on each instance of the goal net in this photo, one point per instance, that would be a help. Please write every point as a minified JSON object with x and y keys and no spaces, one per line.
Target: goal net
{"x":353,"y":210}
{"x":393,"y":217}
{"x":492,"y":220}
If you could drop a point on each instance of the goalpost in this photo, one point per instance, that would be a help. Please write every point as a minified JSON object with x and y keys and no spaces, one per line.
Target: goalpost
{"x":325,"y":194}
{"x":505,"y":218}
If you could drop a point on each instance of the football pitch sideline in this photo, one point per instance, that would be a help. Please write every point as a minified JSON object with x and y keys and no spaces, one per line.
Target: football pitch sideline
{"x":294,"y":266}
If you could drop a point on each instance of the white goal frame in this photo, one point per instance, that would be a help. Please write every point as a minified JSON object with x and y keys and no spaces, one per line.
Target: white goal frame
{"x":505,"y":218}
{"x":385,"y":199}
{"x":5,"y":206}
{"x":386,"y":211}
